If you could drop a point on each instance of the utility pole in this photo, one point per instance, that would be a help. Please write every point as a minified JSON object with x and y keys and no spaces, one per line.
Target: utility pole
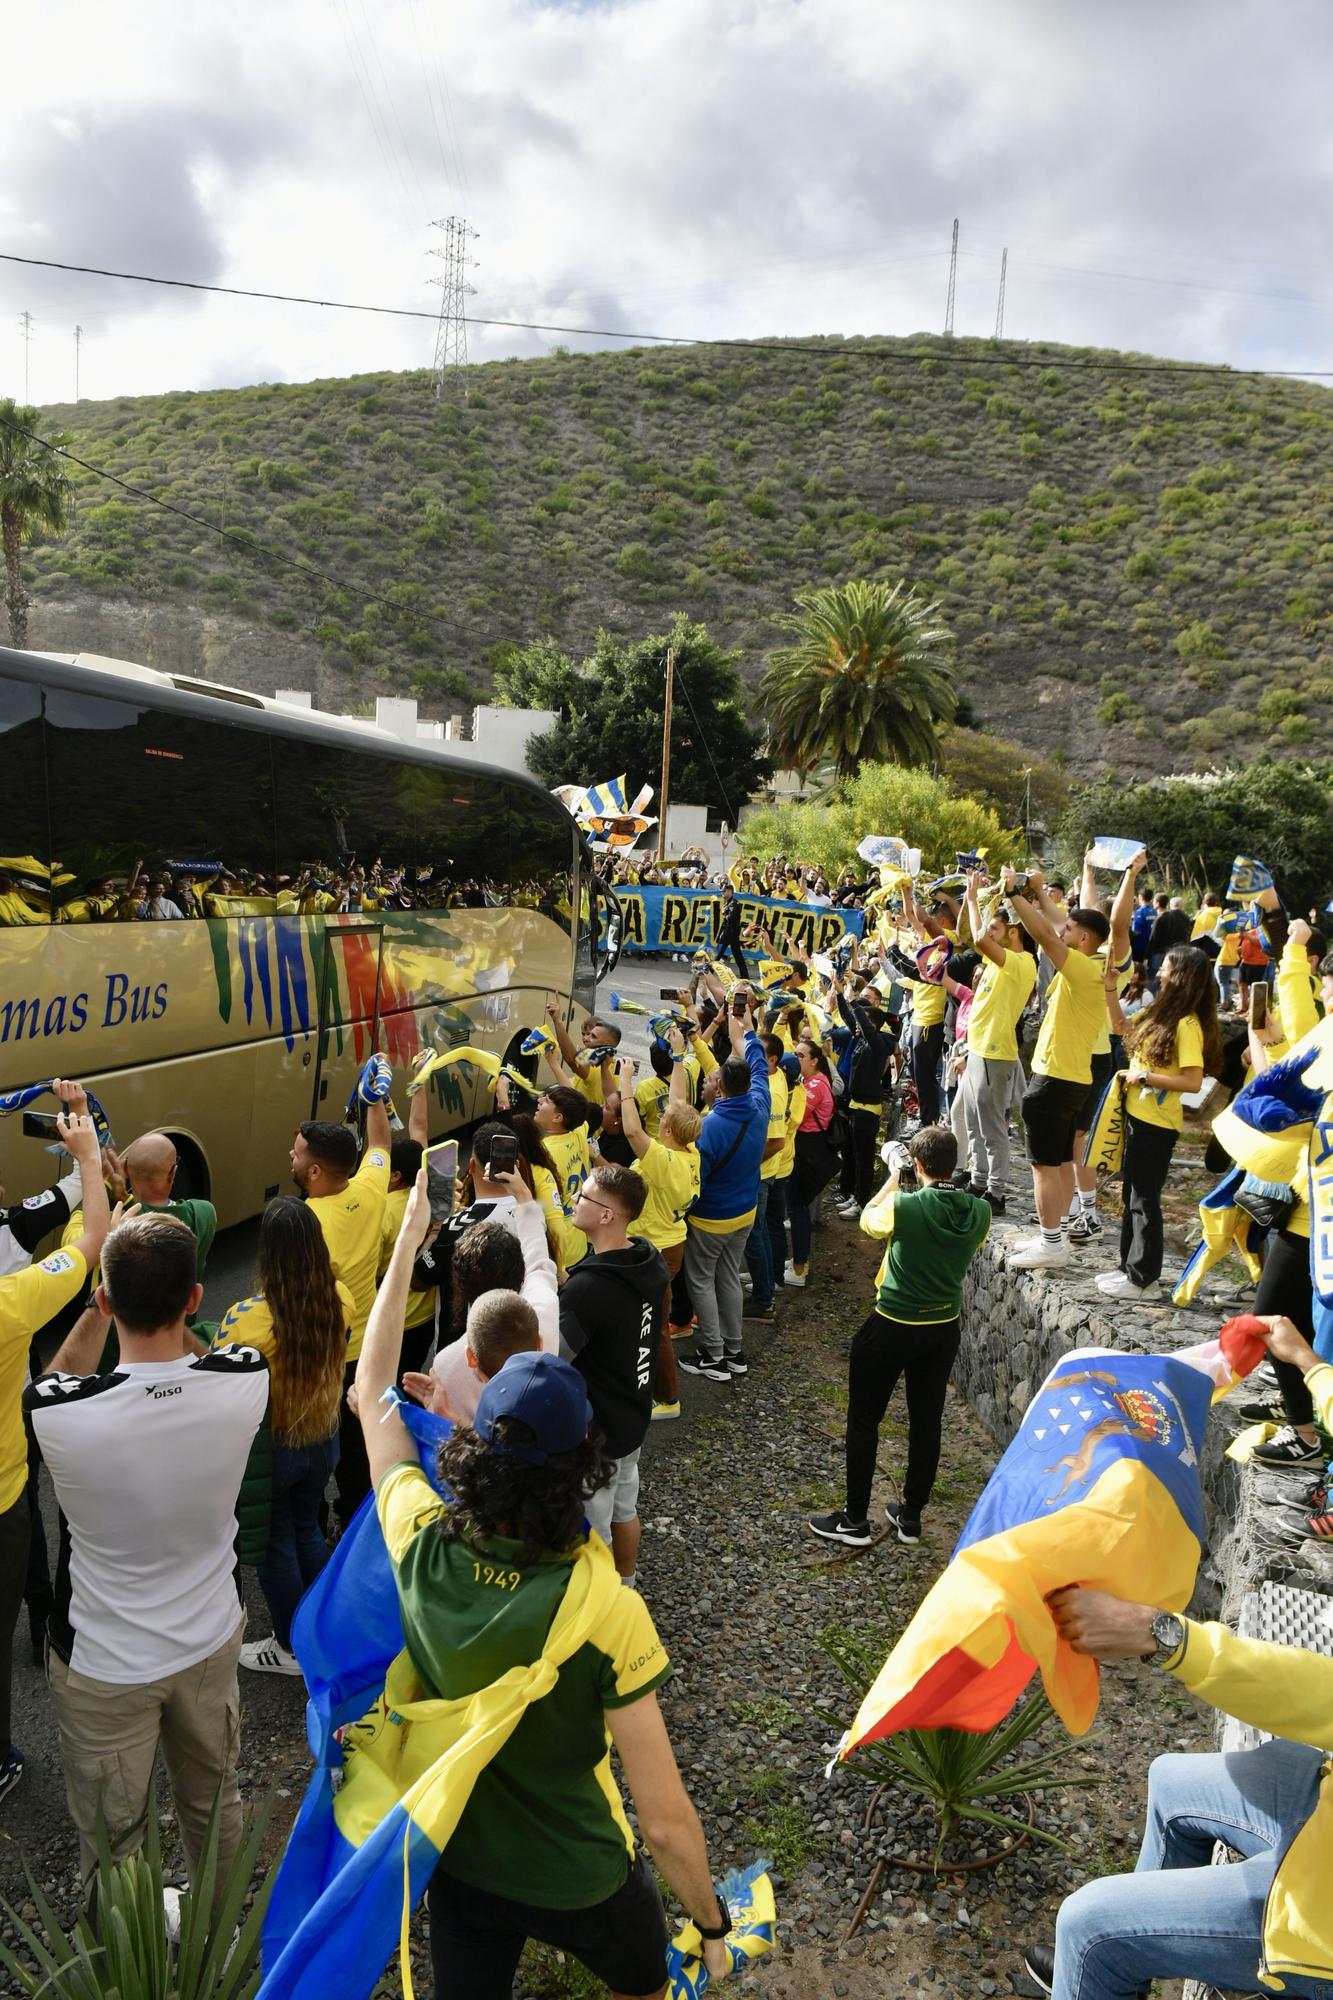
{"x":666,"y":755}
{"x":26,"y":324}
{"x":999,"y":307}
{"x":449,"y":374}
{"x":953,"y":281}
{"x":78,"y":343}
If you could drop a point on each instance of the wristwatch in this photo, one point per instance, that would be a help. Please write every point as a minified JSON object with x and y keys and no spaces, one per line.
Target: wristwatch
{"x":1168,"y":1633}
{"x":715,"y":1932}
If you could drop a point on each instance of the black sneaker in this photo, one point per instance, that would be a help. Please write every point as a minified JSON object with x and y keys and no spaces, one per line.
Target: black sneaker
{"x":1084,"y":1226}
{"x":996,"y":1202}
{"x":1039,"y":1964}
{"x":1260,"y":1412}
{"x":736,"y":1364}
{"x":764,"y":1314}
{"x":699,"y":1363}
{"x":837,"y":1528}
{"x":1287,"y":1449}
{"x":11,"y":1769}
{"x":908,"y":1525}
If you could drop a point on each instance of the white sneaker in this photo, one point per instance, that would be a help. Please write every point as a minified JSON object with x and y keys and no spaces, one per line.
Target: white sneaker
{"x":1028,"y":1242}
{"x":1119,"y":1285}
{"x":171,"y":1912}
{"x":1040,"y":1256}
{"x":791,"y":1276}
{"x":266,"y":1656}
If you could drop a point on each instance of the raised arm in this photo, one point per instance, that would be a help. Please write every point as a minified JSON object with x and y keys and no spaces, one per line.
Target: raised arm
{"x":1034,"y":917}
{"x":1122,"y":909}
{"x":379,"y":1134}
{"x":78,"y":1135}
{"x":630,"y":1120}
{"x":563,"y":1038}
{"x":679,"y":1089}
{"x":388,"y":1440}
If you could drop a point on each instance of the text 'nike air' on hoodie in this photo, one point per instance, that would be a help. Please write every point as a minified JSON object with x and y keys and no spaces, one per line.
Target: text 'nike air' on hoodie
{"x":611,"y":1307}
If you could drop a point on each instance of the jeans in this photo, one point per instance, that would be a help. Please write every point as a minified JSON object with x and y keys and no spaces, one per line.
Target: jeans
{"x":1225,"y":976}
{"x":297,"y":1550}
{"x":883,"y":1350}
{"x":858,"y":1156}
{"x":1148,"y":1150}
{"x":926,"y":1046}
{"x":1175,"y":1917}
{"x":713,"y":1270}
{"x":759,"y":1253}
{"x":776,"y":1223}
{"x":799,"y":1217}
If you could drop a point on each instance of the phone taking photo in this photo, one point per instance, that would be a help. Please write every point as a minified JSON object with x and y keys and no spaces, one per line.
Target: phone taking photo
{"x":1259,"y":1004}
{"x":441,"y":1164}
{"x":503,"y":1154}
{"x":40,"y":1125}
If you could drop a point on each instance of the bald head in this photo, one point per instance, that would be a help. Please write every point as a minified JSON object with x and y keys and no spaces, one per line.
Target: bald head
{"x":150,"y":1167}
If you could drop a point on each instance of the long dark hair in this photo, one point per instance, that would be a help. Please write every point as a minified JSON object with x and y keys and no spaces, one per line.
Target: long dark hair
{"x":309,"y":1322}
{"x":1191,"y":989}
{"x":494,"y":1493}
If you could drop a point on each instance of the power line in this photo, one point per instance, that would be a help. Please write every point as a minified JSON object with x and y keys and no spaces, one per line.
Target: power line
{"x":703,"y":738}
{"x":864,"y":350}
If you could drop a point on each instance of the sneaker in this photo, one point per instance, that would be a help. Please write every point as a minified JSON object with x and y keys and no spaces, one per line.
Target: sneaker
{"x":266,"y":1656}
{"x":1039,"y":1964}
{"x":1286,"y":1448}
{"x":1262,"y":1413}
{"x":764,"y":1314}
{"x":1119,"y":1285}
{"x":908,"y":1525}
{"x":737,"y":1363}
{"x":747,"y":1283}
{"x":838,"y":1528}
{"x":791,"y":1276}
{"x":699,"y":1363}
{"x":683,"y":1332}
{"x":1085,"y":1225}
{"x":996,"y":1201}
{"x":1040,"y":1256}
{"x":666,"y":1413}
{"x":171,"y":1912}
{"x":11,"y":1770}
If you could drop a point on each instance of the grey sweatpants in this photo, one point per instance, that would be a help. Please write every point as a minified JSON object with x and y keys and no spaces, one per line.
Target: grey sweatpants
{"x":713,"y":1266}
{"x":987,"y":1088}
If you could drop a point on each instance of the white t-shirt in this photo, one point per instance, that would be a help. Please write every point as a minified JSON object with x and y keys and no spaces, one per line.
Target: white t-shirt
{"x":147,"y":1463}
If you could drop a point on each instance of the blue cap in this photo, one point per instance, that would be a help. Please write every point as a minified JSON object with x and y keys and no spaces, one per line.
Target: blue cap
{"x":543,"y":1392}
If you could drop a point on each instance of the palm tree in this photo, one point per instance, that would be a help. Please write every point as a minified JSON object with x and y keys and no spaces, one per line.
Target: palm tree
{"x":35,"y":495}
{"x":867,"y":679}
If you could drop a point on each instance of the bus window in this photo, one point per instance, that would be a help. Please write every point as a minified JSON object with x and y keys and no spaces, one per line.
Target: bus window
{"x":537,"y":832}
{"x":171,"y":814}
{"x":25,"y":850}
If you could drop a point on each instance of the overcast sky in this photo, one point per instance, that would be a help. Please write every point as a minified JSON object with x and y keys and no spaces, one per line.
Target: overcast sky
{"x":1160,"y":170}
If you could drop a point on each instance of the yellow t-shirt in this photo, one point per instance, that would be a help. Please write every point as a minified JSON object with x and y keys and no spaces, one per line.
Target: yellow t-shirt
{"x":1205,"y":922}
{"x":786,"y":1159}
{"x":28,"y":1299}
{"x":1075,"y":1020}
{"x":1102,"y":1045}
{"x":929,"y":1002}
{"x":420,"y":1305}
{"x":249,"y":1323}
{"x":673,"y":1184}
{"x":573,"y":1162}
{"x":651,"y":1095}
{"x":352,"y":1223}
{"x":591,"y":1084}
{"x":1001,"y":994}
{"x":570,"y":1244}
{"x":778,"y":1093}
{"x":1230,"y":952}
{"x":1166,"y":1107}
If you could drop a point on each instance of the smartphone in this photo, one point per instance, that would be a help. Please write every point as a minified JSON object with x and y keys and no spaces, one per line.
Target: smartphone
{"x":1258,"y":1010}
{"x":671,"y":993}
{"x":441,"y":1178}
{"x":40,"y":1125}
{"x":503,"y":1154}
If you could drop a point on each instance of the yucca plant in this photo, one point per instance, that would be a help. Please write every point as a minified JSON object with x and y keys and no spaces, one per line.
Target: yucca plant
{"x":967,"y":1775}
{"x":125,"y":1951}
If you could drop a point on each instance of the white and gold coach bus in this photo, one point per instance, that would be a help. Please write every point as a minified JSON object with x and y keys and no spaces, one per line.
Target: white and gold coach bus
{"x":341,"y":893}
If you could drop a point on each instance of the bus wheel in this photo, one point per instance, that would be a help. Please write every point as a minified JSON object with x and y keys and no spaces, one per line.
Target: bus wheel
{"x":192,"y":1179}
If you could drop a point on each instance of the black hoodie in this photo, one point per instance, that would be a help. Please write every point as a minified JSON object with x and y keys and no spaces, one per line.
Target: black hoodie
{"x":610,"y":1318}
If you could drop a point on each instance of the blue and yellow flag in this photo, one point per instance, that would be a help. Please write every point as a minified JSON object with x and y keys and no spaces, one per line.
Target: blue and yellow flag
{"x":1099,"y":1487}
{"x":1248,"y":877}
{"x":1226,"y":1226}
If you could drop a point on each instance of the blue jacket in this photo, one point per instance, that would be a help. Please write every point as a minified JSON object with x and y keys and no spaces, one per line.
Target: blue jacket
{"x":731,"y":1146}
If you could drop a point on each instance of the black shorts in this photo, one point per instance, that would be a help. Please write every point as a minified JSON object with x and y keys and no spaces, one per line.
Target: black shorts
{"x":477,"y":1939}
{"x":1051,"y":1110}
{"x":1102,"y":1069}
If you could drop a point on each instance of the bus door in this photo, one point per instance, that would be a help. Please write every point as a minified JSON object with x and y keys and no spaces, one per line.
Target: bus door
{"x":349,"y":1012}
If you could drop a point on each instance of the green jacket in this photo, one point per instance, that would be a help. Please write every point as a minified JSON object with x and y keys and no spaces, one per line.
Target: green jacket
{"x":933,"y":1236}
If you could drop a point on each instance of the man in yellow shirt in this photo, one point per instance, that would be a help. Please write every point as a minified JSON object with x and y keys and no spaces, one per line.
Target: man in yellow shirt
{"x":929,"y":1001}
{"x":348,"y":1203}
{"x":28,"y":1299}
{"x":1001,"y":992}
{"x":592,"y":1072}
{"x":1074,"y":1023}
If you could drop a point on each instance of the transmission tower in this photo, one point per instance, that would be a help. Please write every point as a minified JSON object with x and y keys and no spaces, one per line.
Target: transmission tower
{"x":999,"y":304}
{"x":449,"y":375}
{"x":78,"y":343}
{"x":26,"y":326}
{"x":953,"y":280}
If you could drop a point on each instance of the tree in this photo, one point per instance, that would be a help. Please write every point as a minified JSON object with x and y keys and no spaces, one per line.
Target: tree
{"x":1023,"y":786}
{"x":867,"y":678}
{"x":610,"y":708}
{"x":34,"y":499}
{"x":921,"y":809}
{"x":1194,"y":826}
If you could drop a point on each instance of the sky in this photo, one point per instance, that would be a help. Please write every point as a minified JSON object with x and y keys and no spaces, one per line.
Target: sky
{"x":1160,"y":174}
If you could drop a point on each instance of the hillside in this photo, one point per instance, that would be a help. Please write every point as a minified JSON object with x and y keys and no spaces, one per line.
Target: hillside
{"x":1136,"y":564}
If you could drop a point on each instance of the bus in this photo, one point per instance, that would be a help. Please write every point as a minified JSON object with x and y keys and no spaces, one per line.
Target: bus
{"x":215,"y":907}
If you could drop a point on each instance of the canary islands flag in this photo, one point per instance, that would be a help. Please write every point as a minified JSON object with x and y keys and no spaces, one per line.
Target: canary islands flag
{"x":1099,"y":1487}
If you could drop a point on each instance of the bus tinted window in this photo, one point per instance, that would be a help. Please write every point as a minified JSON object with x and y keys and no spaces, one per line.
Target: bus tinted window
{"x":171,"y":817}
{"x":25,"y":851}
{"x":540,"y":857}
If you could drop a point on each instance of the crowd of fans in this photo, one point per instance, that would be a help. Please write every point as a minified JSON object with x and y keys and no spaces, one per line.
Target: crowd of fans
{"x":614,"y":1227}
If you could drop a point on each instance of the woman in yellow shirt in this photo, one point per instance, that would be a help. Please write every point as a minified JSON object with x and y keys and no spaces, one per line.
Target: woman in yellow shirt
{"x":1172,"y":1045}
